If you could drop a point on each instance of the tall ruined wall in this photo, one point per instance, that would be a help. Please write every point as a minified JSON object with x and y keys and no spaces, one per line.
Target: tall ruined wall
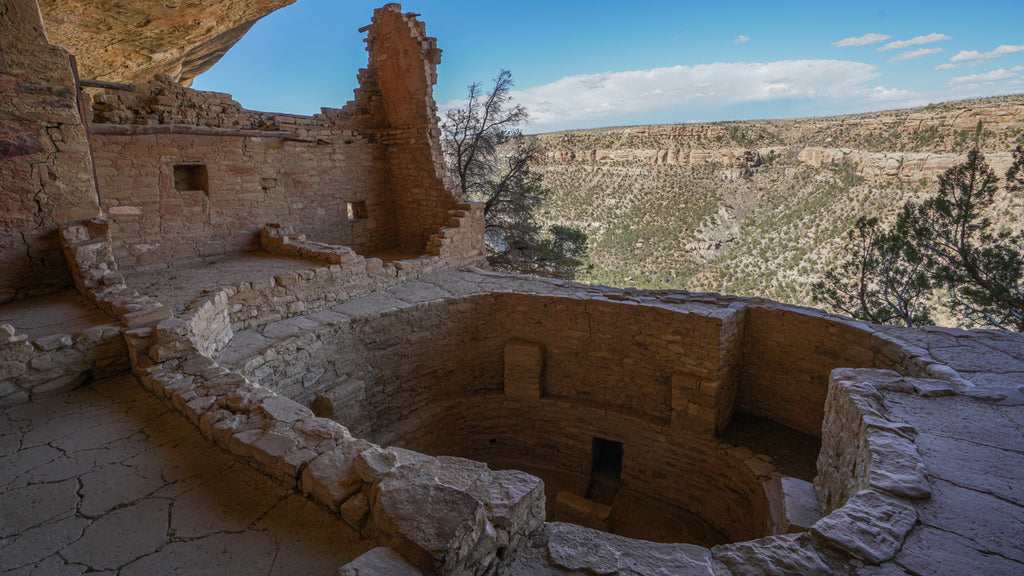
{"x":46,"y":176}
{"x":402,"y":66}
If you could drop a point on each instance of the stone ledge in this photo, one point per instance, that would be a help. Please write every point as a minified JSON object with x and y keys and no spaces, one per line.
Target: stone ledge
{"x":56,"y":363}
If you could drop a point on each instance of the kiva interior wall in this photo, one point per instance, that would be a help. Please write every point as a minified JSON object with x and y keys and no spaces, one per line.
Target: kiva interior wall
{"x":787,"y":359}
{"x":608,"y":372}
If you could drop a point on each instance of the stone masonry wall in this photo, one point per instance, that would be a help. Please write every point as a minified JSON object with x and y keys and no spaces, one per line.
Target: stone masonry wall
{"x":403,"y":63}
{"x":33,"y":368}
{"x":46,"y":177}
{"x":370,"y":176}
{"x":250,"y":181}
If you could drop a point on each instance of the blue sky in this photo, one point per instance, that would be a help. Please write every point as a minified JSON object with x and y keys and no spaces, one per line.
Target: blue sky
{"x":591,"y":64}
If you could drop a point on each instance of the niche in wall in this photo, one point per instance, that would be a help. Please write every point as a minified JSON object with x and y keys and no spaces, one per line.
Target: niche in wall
{"x":191,"y":178}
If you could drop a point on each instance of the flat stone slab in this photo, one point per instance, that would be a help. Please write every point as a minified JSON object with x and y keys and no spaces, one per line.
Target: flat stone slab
{"x":64,"y":313}
{"x":589,"y":551}
{"x":870,"y":526}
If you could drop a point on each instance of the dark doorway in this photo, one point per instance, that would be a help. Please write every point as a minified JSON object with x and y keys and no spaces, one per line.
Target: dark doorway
{"x":605,"y":471}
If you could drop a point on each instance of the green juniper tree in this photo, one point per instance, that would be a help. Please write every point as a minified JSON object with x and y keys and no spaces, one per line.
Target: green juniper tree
{"x":945,"y":243}
{"x":492,"y":162}
{"x":882,"y":280}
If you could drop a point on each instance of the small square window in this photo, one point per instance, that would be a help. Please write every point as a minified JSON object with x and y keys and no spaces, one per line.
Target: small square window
{"x":190,"y":177}
{"x":356,"y":210}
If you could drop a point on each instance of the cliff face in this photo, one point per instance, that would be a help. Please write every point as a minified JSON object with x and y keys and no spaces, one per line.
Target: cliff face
{"x":133,"y":40}
{"x":760,"y":207}
{"x":909,"y":144}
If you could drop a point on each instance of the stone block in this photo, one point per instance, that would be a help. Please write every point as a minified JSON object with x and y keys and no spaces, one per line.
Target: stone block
{"x":379,"y":562}
{"x":331,"y":479}
{"x":896,"y":465}
{"x":584,"y":551}
{"x":870,"y":526}
{"x":355,"y":510}
{"x":800,"y":508}
{"x":434,"y":525}
{"x":583,"y":511}
{"x":786,"y":555}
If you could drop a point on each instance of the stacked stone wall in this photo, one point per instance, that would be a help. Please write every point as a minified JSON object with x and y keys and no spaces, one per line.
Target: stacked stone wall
{"x":608,"y":373}
{"x":250,"y":181}
{"x":55,"y":363}
{"x":403,"y":62}
{"x":371,"y":176}
{"x":697,"y":474}
{"x":46,"y":177}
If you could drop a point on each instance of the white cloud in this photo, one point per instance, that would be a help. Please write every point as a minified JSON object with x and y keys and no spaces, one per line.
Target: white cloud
{"x":926,"y":39}
{"x":741,"y":39}
{"x":1017,"y":69}
{"x":973,"y":56}
{"x":921,"y":52}
{"x":993,"y":76}
{"x":589,"y":98}
{"x":871,"y":38}
{"x":946,"y":66}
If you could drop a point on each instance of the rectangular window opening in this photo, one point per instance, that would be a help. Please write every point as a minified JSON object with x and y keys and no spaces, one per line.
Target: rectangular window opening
{"x":356,"y":210}
{"x":191,"y":178}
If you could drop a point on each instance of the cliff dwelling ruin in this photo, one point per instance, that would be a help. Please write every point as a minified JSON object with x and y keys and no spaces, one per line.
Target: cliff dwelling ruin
{"x":248,"y":342}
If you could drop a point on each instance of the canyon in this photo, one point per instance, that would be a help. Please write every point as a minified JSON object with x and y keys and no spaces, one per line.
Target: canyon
{"x":760,"y":208}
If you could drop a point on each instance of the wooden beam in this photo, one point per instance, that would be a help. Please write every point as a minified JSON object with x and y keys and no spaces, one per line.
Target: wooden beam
{"x":140,"y":129}
{"x":108,"y":85}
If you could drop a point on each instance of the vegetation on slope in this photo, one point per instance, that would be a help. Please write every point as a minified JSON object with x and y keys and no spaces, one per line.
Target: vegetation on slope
{"x":760,"y":208}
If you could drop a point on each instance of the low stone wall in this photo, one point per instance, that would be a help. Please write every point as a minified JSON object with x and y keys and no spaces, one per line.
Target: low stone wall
{"x":56,"y":363}
{"x":87,"y":249}
{"x":213,"y":318}
{"x":862,"y":448}
{"x":445,"y":515}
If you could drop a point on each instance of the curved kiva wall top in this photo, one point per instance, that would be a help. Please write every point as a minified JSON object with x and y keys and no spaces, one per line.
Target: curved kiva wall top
{"x":531,"y":371}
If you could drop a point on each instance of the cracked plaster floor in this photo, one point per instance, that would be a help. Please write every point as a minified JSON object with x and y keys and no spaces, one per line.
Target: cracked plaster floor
{"x":108,"y":480}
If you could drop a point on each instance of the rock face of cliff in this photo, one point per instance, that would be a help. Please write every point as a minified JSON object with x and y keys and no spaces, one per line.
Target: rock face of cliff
{"x":133,"y":40}
{"x":760,"y":207}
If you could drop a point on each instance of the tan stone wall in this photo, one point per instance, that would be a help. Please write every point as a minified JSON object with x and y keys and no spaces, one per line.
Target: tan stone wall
{"x":402,"y":66}
{"x":381,"y":150}
{"x":692,"y":472}
{"x":45,"y":170}
{"x":251,"y":181}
